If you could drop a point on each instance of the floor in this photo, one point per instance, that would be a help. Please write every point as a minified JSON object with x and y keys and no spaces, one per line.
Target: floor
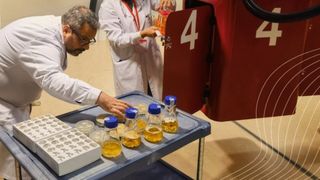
{"x":271,"y":148}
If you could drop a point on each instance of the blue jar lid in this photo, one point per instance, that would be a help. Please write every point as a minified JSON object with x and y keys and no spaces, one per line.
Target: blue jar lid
{"x":170,"y":100}
{"x":111,"y":122}
{"x":131,"y":113}
{"x":154,"y":108}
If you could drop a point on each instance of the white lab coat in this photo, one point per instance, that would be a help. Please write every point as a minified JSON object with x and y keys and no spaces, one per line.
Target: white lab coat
{"x":32,"y":58}
{"x":135,"y":63}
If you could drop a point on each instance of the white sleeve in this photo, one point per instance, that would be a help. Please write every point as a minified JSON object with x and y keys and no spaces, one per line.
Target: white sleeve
{"x":42,"y":60}
{"x":111,"y":24}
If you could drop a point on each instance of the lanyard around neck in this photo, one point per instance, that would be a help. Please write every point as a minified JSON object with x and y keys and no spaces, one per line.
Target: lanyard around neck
{"x":135,"y":17}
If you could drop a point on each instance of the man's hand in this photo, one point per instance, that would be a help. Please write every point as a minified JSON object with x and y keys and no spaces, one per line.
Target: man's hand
{"x":112,"y":105}
{"x":149,"y":32}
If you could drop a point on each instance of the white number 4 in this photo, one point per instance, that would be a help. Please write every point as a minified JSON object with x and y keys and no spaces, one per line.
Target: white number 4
{"x":193,"y":36}
{"x":273,"y":34}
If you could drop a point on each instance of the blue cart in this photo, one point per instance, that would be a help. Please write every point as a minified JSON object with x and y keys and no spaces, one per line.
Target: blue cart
{"x":141,"y":163}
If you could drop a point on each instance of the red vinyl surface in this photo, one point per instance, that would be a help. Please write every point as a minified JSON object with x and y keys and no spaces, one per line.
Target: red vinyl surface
{"x":259,"y":68}
{"x":310,"y":76}
{"x":187,"y":71}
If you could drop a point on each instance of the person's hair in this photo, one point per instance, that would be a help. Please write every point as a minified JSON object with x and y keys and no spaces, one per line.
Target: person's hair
{"x":79,"y":15}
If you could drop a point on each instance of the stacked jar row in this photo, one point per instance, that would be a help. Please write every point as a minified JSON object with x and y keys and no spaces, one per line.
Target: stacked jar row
{"x":138,"y":123}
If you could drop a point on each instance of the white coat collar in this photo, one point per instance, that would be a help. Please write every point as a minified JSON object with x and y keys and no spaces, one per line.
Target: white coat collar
{"x":140,"y":4}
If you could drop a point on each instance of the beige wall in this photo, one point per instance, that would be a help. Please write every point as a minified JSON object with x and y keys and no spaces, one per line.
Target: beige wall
{"x":1,"y":7}
{"x":11,"y":10}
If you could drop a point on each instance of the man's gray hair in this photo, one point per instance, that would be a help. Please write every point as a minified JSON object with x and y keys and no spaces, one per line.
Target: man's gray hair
{"x":79,"y":15}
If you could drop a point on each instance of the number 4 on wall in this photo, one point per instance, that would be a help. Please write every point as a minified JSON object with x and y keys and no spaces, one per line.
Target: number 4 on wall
{"x":272,"y":34}
{"x":193,"y":36}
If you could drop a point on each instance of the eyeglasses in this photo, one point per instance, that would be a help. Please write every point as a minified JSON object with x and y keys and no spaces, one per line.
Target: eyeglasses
{"x":83,"y":41}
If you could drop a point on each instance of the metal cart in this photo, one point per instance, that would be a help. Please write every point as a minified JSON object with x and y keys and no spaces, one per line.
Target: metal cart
{"x":142,"y":163}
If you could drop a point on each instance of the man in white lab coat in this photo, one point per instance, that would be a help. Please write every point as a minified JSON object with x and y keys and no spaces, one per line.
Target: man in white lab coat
{"x":135,"y":54}
{"x":33,"y":56}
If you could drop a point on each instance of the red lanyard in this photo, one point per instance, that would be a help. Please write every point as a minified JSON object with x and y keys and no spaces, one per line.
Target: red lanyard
{"x":135,"y":17}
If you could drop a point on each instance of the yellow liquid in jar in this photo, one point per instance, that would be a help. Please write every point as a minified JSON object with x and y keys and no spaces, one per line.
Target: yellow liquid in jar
{"x":141,"y":125}
{"x":121,"y":129}
{"x":170,"y":125}
{"x":153,"y":134}
{"x":131,"y":139}
{"x":111,"y":149}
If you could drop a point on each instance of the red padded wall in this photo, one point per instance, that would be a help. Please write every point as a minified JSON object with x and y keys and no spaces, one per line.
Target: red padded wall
{"x":310,"y":76}
{"x":186,"y":69}
{"x":252,"y":78}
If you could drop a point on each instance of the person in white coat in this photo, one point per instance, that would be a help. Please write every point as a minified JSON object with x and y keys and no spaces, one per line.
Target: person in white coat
{"x":136,"y":57}
{"x":33,"y":57}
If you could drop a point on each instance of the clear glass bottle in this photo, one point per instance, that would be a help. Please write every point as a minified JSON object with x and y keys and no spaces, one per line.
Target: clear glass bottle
{"x":99,"y":136}
{"x":170,"y":122}
{"x":141,"y":117}
{"x":131,"y":138}
{"x":153,"y":132}
{"x":85,"y":126}
{"x":100,"y":120}
{"x":111,"y":147}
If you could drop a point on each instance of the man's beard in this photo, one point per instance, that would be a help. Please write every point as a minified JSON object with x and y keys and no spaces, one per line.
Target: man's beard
{"x":75,"y":52}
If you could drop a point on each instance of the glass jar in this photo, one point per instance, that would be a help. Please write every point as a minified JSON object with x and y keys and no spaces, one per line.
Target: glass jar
{"x":131,"y":138}
{"x":100,"y":119}
{"x":99,"y":136}
{"x":121,"y":129}
{"x":170,"y":122}
{"x":85,"y":126}
{"x":153,"y":131}
{"x":141,"y":117}
{"x":111,"y":147}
